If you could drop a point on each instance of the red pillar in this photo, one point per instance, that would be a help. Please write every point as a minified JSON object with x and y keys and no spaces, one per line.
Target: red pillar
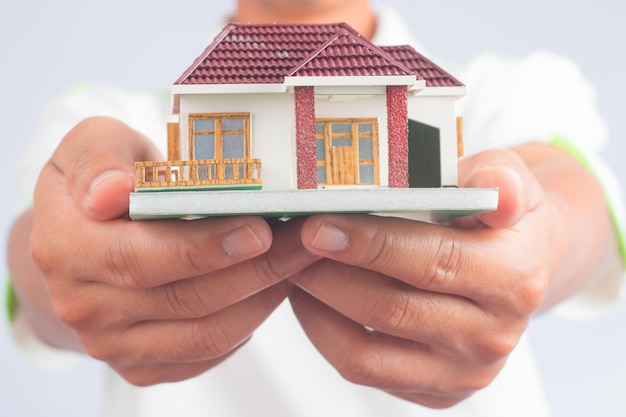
{"x":305,"y":137}
{"x":397,"y":125}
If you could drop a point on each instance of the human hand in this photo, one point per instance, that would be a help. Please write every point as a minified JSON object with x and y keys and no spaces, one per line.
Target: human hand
{"x":429,"y":313}
{"x":157,"y":300}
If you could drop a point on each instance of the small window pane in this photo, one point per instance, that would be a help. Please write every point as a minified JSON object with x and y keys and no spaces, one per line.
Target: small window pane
{"x":342,"y":141}
{"x":204,"y":124}
{"x":232,"y":124}
{"x":366,"y":150}
{"x":341,"y":128}
{"x":320,"y":148}
{"x":319,"y":128}
{"x":366,"y":174}
{"x":365,"y":128}
{"x":204,"y":147}
{"x":233,"y":146}
{"x":321,"y":175}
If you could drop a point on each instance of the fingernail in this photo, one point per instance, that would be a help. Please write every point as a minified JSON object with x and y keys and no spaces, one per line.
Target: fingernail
{"x":241,"y":241}
{"x":330,"y":238}
{"x":105,"y":176}
{"x":92,"y":199}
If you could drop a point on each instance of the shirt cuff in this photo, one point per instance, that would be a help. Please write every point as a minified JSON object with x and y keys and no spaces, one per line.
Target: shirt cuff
{"x":10,"y":301}
{"x":37,"y":352}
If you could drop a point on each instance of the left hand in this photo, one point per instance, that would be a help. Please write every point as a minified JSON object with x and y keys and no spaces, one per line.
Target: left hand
{"x":428,"y":312}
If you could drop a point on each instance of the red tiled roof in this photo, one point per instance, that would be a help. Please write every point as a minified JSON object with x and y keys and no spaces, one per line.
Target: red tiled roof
{"x":349,"y":55}
{"x":421,"y":66}
{"x":266,"y":54}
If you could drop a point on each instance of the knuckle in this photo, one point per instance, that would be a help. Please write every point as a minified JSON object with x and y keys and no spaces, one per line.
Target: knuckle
{"x":212,"y":341}
{"x":525,"y":291}
{"x":495,"y":348}
{"x":74,"y":314}
{"x":447,"y":261}
{"x":266,"y":271}
{"x":122,"y":261}
{"x":42,"y":253}
{"x":393,"y":312}
{"x":531,"y":292}
{"x":183,"y":298}
{"x":188,"y":256}
{"x":382,"y":253}
{"x":360,"y":369}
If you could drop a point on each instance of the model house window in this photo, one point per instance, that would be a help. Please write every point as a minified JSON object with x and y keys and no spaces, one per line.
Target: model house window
{"x":223,"y":139}
{"x":347,"y":151}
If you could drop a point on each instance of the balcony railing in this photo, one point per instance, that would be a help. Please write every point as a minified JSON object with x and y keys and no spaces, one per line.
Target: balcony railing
{"x":203,"y":173}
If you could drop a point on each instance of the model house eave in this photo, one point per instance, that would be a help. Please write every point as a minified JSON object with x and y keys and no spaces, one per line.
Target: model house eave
{"x":290,"y":82}
{"x":183,"y":89}
{"x":455,"y":91}
{"x":300,"y":81}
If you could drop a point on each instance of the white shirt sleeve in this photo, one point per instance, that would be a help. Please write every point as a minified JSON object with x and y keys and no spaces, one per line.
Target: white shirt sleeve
{"x":511,"y":101}
{"x":545,"y":97}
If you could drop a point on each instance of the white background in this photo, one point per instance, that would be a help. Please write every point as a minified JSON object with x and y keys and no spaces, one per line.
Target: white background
{"x":47,"y":47}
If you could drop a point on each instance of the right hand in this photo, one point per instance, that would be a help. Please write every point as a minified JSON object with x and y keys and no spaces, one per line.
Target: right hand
{"x":159,"y":301}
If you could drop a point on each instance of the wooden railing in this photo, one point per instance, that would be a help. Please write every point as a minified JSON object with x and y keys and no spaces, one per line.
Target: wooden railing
{"x":203,"y":173}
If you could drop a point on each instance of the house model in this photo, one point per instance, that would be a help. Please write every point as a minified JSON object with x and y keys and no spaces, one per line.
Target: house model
{"x":291,"y":119}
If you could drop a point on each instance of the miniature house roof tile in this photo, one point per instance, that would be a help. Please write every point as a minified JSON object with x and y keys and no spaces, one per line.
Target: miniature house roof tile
{"x":422,"y":67}
{"x":266,"y":54}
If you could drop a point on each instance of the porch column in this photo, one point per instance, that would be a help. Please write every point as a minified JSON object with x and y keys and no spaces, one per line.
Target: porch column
{"x":305,"y":137}
{"x":397,"y":127}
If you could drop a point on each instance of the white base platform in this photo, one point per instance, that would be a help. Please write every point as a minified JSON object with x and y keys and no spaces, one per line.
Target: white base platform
{"x":437,"y":203}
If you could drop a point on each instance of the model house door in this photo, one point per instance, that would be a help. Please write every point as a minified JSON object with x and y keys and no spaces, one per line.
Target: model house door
{"x":347,"y":152}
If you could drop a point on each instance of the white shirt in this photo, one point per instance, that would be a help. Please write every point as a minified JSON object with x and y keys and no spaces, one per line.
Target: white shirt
{"x":278,"y":372}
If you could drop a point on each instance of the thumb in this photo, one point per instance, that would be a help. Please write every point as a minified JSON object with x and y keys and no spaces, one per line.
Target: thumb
{"x":518,"y":190}
{"x":98,"y":159}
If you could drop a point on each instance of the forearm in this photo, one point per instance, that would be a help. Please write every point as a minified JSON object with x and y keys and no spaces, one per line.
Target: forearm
{"x":581,"y":231}
{"x":30,"y":288}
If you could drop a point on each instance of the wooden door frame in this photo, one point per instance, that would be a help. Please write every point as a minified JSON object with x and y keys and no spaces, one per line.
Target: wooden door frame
{"x":355,"y":135}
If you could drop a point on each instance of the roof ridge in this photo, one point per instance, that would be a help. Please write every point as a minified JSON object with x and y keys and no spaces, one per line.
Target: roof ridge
{"x":347,"y":30}
{"x":312,"y":55}
{"x":344,"y":27}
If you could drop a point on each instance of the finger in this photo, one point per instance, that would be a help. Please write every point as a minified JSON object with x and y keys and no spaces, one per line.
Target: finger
{"x":185,"y":341}
{"x":198,"y":296}
{"x":96,"y":160}
{"x":392,"y":307}
{"x":425,"y":256}
{"x":518,"y":190}
{"x":141,"y":255}
{"x":437,"y":258}
{"x":405,"y":368}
